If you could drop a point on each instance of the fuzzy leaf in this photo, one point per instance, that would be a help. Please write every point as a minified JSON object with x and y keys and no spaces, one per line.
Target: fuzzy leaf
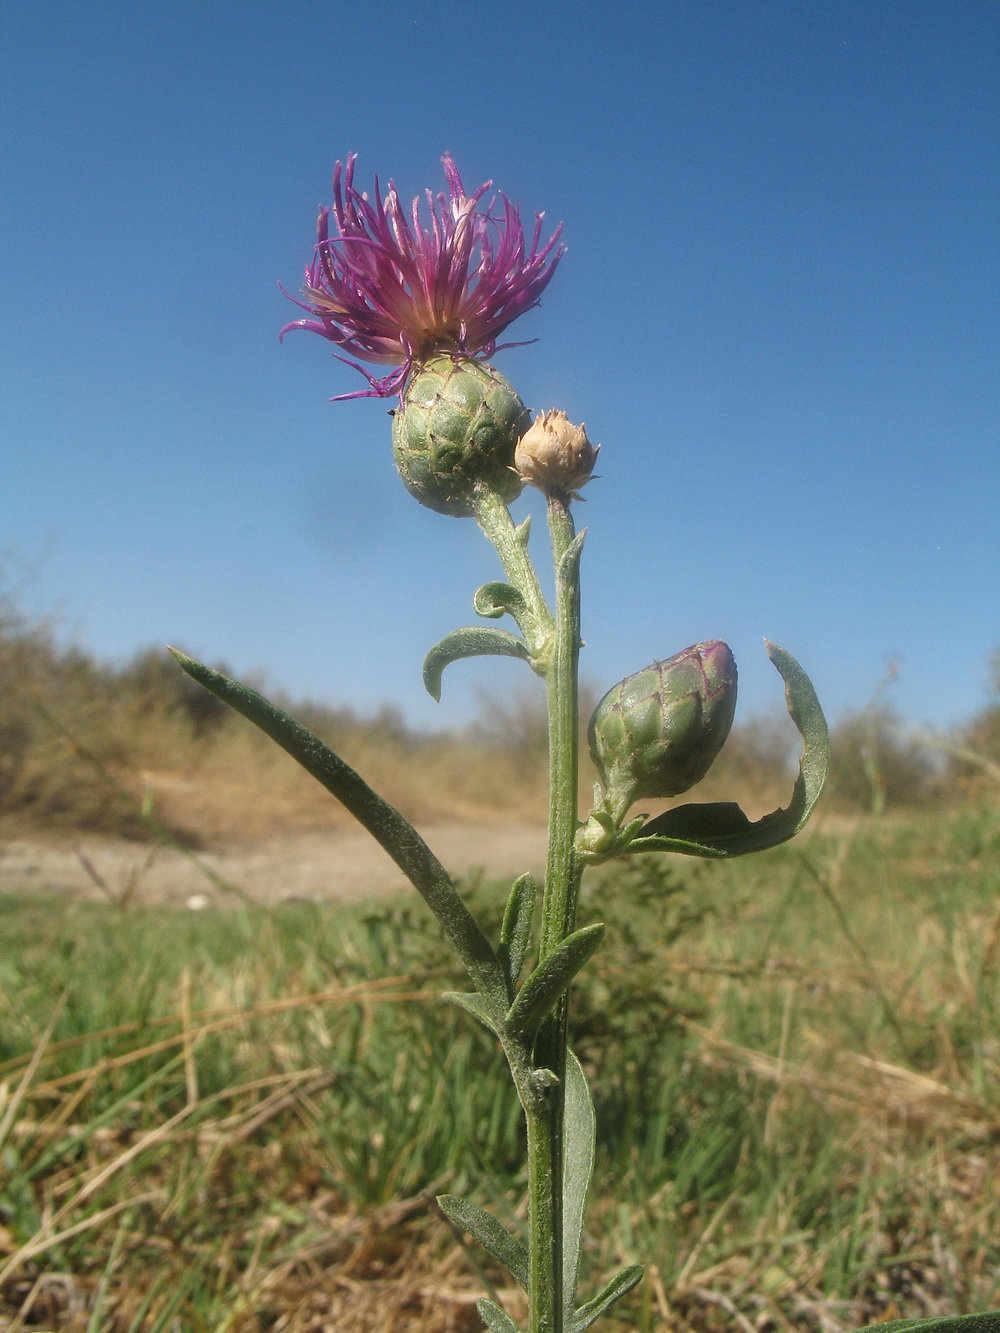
{"x":515,"y":933}
{"x":543,"y":987}
{"x":988,"y":1322}
{"x":492,"y":1235}
{"x":721,"y":828}
{"x":494,"y":600}
{"x":569,"y":562}
{"x":621,"y":1283}
{"x":383,"y":821}
{"x":471,"y":641}
{"x":580,"y":1135}
{"x":495,"y":1319}
{"x":476,"y":1006}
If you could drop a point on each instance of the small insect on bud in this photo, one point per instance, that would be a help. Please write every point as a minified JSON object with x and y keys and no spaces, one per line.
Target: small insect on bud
{"x":457,"y":424}
{"x":658,"y":732}
{"x":555,"y":455}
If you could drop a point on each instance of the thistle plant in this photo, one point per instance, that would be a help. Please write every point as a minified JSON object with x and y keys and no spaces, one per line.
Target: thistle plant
{"x":427,"y":295}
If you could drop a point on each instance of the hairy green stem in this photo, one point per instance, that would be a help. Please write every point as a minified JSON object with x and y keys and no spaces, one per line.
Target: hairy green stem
{"x":509,"y":542}
{"x":546,"y":1140}
{"x":555,"y":644}
{"x":562,"y":872}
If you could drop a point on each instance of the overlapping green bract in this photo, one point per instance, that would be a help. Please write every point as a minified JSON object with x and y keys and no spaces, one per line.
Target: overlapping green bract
{"x":657,"y":733}
{"x":456,"y":428}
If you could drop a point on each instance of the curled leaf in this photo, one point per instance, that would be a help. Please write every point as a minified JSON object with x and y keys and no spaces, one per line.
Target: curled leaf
{"x":494,"y":600}
{"x":721,"y":829}
{"x":472,"y":641}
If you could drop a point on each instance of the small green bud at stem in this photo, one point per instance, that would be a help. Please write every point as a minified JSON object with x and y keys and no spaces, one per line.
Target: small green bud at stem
{"x":658,"y":732}
{"x":457,"y":426}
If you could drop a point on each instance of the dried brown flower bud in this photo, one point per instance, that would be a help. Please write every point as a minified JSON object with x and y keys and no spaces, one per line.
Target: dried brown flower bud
{"x":555,"y":455}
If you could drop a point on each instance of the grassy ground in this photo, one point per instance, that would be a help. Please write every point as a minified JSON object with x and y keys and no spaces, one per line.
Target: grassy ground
{"x":236,"y":1120}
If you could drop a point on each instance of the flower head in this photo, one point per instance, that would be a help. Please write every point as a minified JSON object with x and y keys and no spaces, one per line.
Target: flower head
{"x":555,"y":455}
{"x":389,"y":290}
{"x":658,"y":732}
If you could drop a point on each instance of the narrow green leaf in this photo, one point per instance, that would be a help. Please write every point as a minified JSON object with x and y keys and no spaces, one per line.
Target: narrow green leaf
{"x":494,"y":600}
{"x":543,"y":987}
{"x":386,"y":825}
{"x":580,"y":1135}
{"x":621,"y":1283}
{"x":495,"y":1319}
{"x":471,"y":641}
{"x":492,"y":1235}
{"x":475,"y":1005}
{"x":721,"y":828}
{"x":515,"y":933}
{"x":569,"y":562}
{"x":988,"y":1322}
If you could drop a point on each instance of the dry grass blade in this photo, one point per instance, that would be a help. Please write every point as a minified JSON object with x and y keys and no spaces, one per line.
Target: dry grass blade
{"x":39,"y":1245}
{"x":910,"y":1094}
{"x":364,"y":993}
{"x":890,"y":1089}
{"x":232,"y":1129}
{"x":716,"y":1298}
{"x":46,"y":1235}
{"x":236,"y":1129}
{"x":699,"y":1245}
{"x":361,"y":990}
{"x":35,"y":1060}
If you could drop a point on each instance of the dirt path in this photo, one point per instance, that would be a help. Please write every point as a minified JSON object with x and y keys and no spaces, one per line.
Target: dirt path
{"x":343,"y":865}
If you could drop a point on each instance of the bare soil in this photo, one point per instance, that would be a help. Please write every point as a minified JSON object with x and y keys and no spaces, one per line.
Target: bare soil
{"x":339,"y":865}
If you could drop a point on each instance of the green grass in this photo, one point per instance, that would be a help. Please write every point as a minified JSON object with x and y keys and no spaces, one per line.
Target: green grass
{"x":237,"y":1118}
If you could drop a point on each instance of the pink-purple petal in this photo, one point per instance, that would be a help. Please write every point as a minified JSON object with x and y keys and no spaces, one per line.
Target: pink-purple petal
{"x":387,"y":289}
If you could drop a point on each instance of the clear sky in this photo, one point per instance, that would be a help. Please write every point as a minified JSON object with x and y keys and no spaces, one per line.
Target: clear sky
{"x":778,"y":312}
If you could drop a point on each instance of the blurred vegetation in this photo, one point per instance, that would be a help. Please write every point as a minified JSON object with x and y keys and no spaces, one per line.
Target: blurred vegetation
{"x":235,"y":1120}
{"x":88,"y":746}
{"x":85,"y":745}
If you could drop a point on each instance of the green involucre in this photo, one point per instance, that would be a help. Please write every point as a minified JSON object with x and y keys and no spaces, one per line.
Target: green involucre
{"x":457,"y":425}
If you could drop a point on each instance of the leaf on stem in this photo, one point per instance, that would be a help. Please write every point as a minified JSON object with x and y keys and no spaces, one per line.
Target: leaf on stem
{"x":475,"y":1005}
{"x":988,"y":1322}
{"x":579,"y":1138}
{"x":622,"y":1282}
{"x":515,"y":933}
{"x":492,"y":1235}
{"x":546,"y":984}
{"x":718,"y":829}
{"x":494,"y":600}
{"x":495,"y":1319}
{"x":567,"y":571}
{"x":471,"y":641}
{"x":383,"y":821}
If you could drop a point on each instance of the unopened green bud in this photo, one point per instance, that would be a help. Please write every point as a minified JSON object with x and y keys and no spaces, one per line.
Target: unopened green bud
{"x":458,"y":424}
{"x":658,"y":732}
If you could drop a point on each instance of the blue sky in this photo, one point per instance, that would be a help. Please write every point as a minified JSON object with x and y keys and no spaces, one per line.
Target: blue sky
{"x":778,"y":313}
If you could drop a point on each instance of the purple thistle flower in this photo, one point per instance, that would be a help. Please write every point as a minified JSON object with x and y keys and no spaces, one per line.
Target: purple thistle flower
{"x":388,"y":290}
